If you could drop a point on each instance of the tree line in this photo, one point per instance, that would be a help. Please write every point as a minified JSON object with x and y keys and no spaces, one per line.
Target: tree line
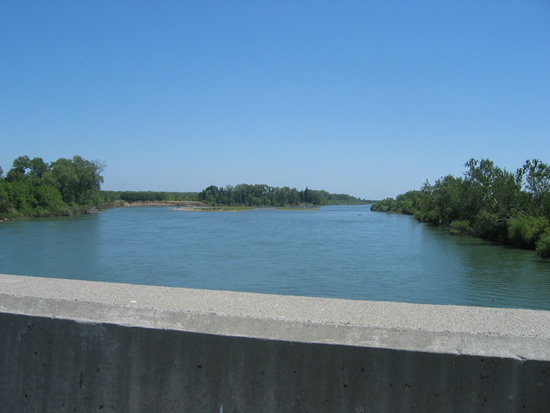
{"x":239,"y":195}
{"x":490,"y":202}
{"x":264,"y":195}
{"x":147,"y":196}
{"x":34,"y":188}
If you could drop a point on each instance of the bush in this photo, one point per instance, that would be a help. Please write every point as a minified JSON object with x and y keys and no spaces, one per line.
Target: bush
{"x":5,"y":204}
{"x":70,"y":210}
{"x":461,"y":227}
{"x":524,"y":231}
{"x":488,"y":225}
{"x":543,"y":245}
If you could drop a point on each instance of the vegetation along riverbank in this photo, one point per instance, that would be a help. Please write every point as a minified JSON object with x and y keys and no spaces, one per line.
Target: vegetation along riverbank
{"x":240,"y":196}
{"x":35,"y":188}
{"x":512,"y":208}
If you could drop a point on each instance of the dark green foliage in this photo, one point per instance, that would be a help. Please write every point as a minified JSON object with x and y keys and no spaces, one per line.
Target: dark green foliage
{"x":264,"y":195}
{"x":543,"y":245}
{"x":239,"y":195}
{"x":38,"y":168}
{"x":487,"y":225}
{"x":524,"y":231}
{"x":33,"y":187}
{"x":77,"y":179}
{"x":49,"y":200}
{"x":461,"y":227}
{"x":404,"y":204}
{"x":140,"y":196}
{"x":488,"y":202}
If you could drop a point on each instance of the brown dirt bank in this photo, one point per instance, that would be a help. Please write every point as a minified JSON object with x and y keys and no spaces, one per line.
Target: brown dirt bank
{"x":164,"y":203}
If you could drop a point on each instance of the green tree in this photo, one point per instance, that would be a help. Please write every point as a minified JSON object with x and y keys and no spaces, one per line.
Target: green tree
{"x":77,"y":179}
{"x":34,"y":188}
{"x":18,"y":169}
{"x":21,"y":164}
{"x":525,"y":231}
{"x":209,"y":195}
{"x":543,"y":245}
{"x":534,"y":178}
{"x":38,"y":168}
{"x":489,"y":202}
{"x":5,"y":204}
{"x":63,"y":176}
{"x":492,"y":188}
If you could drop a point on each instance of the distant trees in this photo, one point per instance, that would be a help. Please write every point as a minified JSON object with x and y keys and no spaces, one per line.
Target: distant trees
{"x":264,"y":195}
{"x":151,"y":196}
{"x":489,"y":202}
{"x":33,"y":187}
{"x":241,"y":195}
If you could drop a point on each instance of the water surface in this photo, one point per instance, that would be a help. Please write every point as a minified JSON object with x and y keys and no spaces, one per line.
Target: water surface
{"x":338,"y":251}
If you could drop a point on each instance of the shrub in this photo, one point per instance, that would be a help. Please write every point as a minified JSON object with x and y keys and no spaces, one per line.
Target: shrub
{"x":524,"y":231}
{"x":461,"y":227}
{"x":543,"y":245}
{"x":488,"y":225}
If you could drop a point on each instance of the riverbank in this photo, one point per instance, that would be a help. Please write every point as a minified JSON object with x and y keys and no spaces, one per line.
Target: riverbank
{"x":67,"y":212}
{"x":187,"y":204}
{"x":208,"y":208}
{"x":240,"y":208}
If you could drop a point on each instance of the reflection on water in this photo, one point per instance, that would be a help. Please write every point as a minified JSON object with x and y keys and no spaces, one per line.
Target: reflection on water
{"x":338,"y":251}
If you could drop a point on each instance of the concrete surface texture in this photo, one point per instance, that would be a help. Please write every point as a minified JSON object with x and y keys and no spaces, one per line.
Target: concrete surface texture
{"x":70,"y":344}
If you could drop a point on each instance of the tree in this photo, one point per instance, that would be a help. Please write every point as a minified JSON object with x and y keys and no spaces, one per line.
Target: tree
{"x":534,"y":178}
{"x":492,"y":189}
{"x":209,"y":195}
{"x":38,"y":168}
{"x":543,"y":245}
{"x":18,"y":169}
{"x":5,"y":203}
{"x":77,"y":179}
{"x":35,"y":188}
{"x":489,"y":202}
{"x":21,"y":164}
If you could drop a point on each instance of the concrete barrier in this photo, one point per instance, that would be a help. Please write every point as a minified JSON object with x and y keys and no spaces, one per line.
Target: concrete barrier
{"x":71,"y":345}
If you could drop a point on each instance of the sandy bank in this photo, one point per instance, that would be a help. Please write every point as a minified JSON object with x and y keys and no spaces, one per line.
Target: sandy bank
{"x":187,"y":204}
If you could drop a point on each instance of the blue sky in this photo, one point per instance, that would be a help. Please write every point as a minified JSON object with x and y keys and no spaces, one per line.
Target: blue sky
{"x":369,"y":98}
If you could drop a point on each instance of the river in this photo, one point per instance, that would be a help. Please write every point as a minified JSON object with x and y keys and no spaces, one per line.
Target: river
{"x":336,"y":251}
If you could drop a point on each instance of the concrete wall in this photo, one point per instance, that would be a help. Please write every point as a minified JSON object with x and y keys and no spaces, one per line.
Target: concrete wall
{"x":70,"y":345}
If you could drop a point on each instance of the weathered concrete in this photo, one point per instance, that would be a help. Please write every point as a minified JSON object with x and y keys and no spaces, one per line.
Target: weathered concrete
{"x":81,"y":345}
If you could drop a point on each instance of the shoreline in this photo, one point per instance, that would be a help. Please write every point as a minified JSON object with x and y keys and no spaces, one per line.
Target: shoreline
{"x":188,"y":204}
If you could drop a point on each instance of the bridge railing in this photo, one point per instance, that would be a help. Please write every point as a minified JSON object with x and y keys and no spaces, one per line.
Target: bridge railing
{"x":68,"y":344}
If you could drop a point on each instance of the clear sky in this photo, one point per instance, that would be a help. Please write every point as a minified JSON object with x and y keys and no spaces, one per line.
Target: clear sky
{"x":369,"y":98}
